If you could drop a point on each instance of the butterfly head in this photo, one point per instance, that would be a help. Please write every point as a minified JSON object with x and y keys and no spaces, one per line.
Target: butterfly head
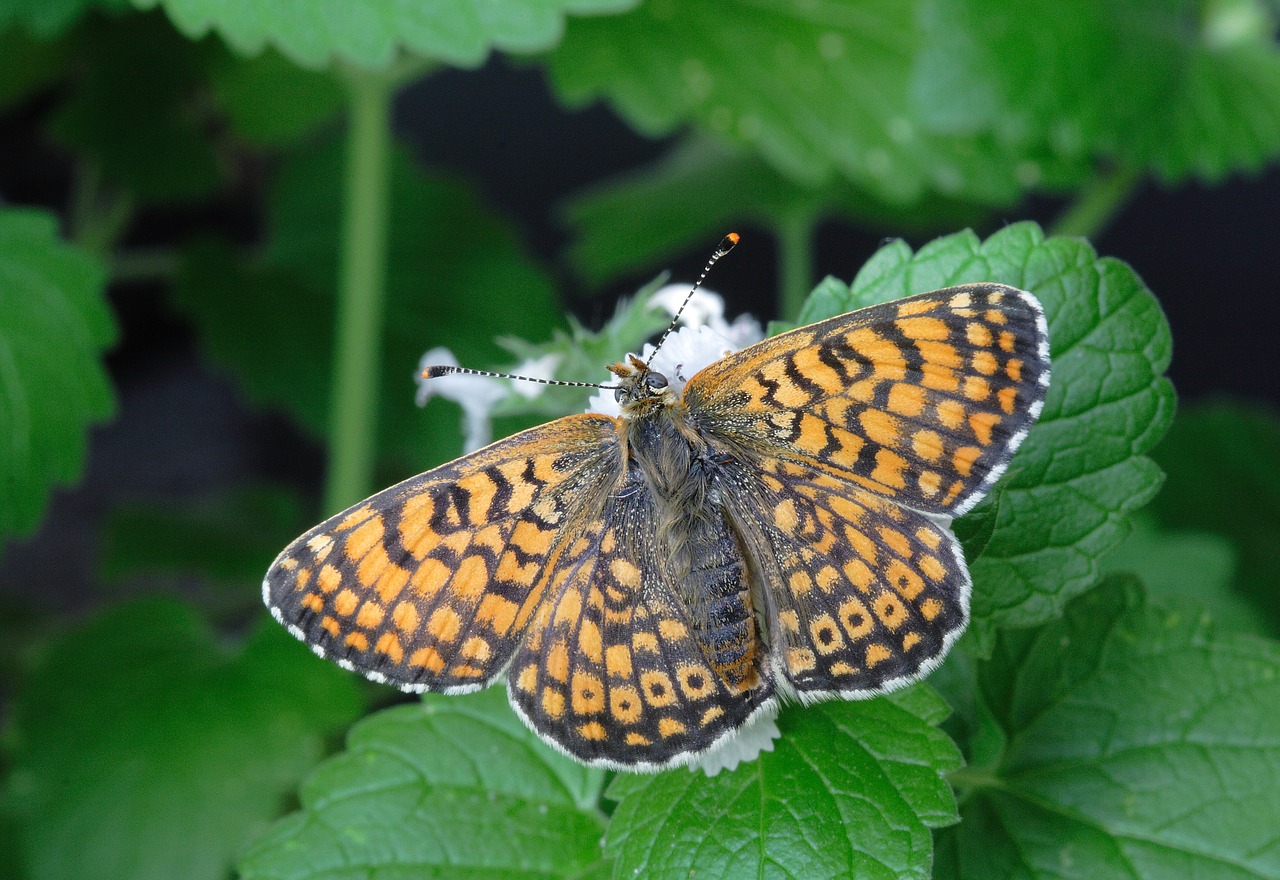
{"x":640,"y":389}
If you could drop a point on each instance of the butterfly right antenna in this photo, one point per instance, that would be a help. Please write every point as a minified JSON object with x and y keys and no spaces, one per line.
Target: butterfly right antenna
{"x":726,"y":245}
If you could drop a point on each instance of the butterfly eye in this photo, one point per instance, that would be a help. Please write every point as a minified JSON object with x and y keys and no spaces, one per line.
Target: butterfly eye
{"x":621,"y":395}
{"x":655,"y":380}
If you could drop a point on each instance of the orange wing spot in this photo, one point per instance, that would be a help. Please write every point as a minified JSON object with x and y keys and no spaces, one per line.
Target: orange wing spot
{"x":977,"y":388}
{"x":670,"y":727}
{"x":982,"y":423}
{"x":390,"y":645}
{"x":444,"y":624}
{"x":657,"y":687}
{"x":364,"y":538}
{"x":624,"y":704}
{"x":896,"y":541}
{"x":427,"y":658}
{"x":906,"y":400}
{"x":638,"y":739}
{"x":927,"y":444}
{"x":357,"y":640}
{"x":994,"y":316}
{"x":623,"y":570}
{"x":889,"y":469}
{"x":985,"y":363}
{"x":480,"y":489}
{"x":1013,"y":369}
{"x":979,"y":335}
{"x":531,"y":539}
{"x":329,"y":578}
{"x":313,"y":602}
{"x":320,"y":546}
{"x":431,"y":575}
{"x":355,"y":517}
{"x":923,"y":328}
{"x":1007,"y":341}
{"x":570,"y":608}
{"x":672,"y":630}
{"x":826,"y":635}
{"x":711,"y":715}
{"x":800,"y":660}
{"x":862,"y":545}
{"x":964,"y":459}
{"x":695,"y":680}
{"x":891,"y":610}
{"x":910,"y":640}
{"x":391,"y":582}
{"x":882,"y":352}
{"x":930,"y":483}
{"x":588,"y":694}
{"x":476,"y":648}
{"x":961,"y":301}
{"x":950,"y":413}
{"x":855,"y":618}
{"x":813,"y":432}
{"x":930,"y":538}
{"x":372,"y":564}
{"x":813,"y":369}
{"x":880,"y":427}
{"x":916,"y":306}
{"x":589,"y":641}
{"x":527,"y":680}
{"x":498,"y":612}
{"x":877,"y":654}
{"x":466,"y":670}
{"x":827,"y":578}
{"x":558,"y":661}
{"x":859,"y":574}
{"x":521,"y":489}
{"x":790,"y":620}
{"x":289,"y":563}
{"x":905,"y":579}
{"x":930,"y":608}
{"x":932,"y":568}
{"x":940,"y":354}
{"x":939,"y":378}
{"x":617,"y":660}
{"x":785,"y":516}
{"x":331,"y":626}
{"x":553,"y":703}
{"x":472,"y":579}
{"x":491,"y":537}
{"x":800,"y":582}
{"x":1008,"y":398}
{"x":956,"y":488}
{"x":842,"y":668}
{"x":405,"y":617}
{"x":644,"y":641}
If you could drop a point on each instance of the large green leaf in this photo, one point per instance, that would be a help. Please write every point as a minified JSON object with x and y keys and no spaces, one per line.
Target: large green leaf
{"x":1121,"y":741}
{"x":850,"y":790}
{"x":451,"y":787}
{"x":1065,"y":500}
{"x":142,"y":749}
{"x":54,"y":325}
{"x":372,"y":33}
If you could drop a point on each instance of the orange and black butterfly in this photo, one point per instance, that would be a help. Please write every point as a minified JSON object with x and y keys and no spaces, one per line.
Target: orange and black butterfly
{"x":648,"y":584}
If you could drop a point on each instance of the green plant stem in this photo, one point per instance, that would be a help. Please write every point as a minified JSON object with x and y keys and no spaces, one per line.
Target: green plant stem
{"x":795,"y":261}
{"x":98,"y":215}
{"x":362,"y":274}
{"x":1097,"y":204}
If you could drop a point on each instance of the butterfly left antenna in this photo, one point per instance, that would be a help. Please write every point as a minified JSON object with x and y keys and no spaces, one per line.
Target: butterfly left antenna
{"x":726,"y":245}
{"x":439,"y":370}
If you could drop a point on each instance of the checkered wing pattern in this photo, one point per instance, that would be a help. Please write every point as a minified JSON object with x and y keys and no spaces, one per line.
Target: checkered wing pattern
{"x":429,"y":585}
{"x":922,"y":400}
{"x":864,"y":595}
{"x":619,"y":668}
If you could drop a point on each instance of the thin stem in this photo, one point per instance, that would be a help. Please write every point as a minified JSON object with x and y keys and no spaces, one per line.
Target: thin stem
{"x":98,"y":214}
{"x":795,"y":261}
{"x":1089,"y":215}
{"x":969,"y":780}
{"x":361,"y":292}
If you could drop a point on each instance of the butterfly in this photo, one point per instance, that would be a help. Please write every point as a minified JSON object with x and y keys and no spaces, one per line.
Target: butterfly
{"x":651,"y":583}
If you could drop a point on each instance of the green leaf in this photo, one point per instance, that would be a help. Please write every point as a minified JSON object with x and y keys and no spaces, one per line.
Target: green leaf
{"x":50,"y":18}
{"x":851,"y":789}
{"x":371,"y":34}
{"x":1139,"y":744}
{"x":1065,"y":501}
{"x":143,"y":750}
{"x":1223,"y":461}
{"x":820,"y":91}
{"x":27,"y":65}
{"x":272,"y":102}
{"x":136,"y":111}
{"x":52,"y":383}
{"x":452,"y":787}
{"x":1181,"y":88}
{"x":701,"y":189}
{"x":456,"y":277}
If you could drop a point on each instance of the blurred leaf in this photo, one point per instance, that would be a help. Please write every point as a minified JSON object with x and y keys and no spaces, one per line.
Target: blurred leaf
{"x":46,"y":19}
{"x":1190,"y":571}
{"x":27,"y":65}
{"x":1182,"y":87}
{"x":1065,"y":500}
{"x":143,"y":750}
{"x":456,"y":277}
{"x":135,"y":113}
{"x":372,"y":33}
{"x":1223,"y":461}
{"x":272,"y":102}
{"x":53,"y":387}
{"x":1139,"y":744}
{"x":851,"y":790}
{"x":818,"y":90}
{"x":704,"y":187}
{"x":452,"y":787}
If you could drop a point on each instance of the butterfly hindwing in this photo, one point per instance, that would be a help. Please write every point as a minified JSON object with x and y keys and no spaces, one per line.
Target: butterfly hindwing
{"x":429,"y":585}
{"x":922,"y":400}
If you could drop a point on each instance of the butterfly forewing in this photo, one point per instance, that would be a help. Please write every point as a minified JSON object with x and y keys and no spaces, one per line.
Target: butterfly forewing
{"x":922,"y":400}
{"x":430,"y":584}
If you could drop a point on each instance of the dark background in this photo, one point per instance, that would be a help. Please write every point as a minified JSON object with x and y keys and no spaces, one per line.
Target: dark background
{"x":183,"y":431}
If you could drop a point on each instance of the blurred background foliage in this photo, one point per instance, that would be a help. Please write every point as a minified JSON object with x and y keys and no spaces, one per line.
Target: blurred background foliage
{"x":229,"y":230}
